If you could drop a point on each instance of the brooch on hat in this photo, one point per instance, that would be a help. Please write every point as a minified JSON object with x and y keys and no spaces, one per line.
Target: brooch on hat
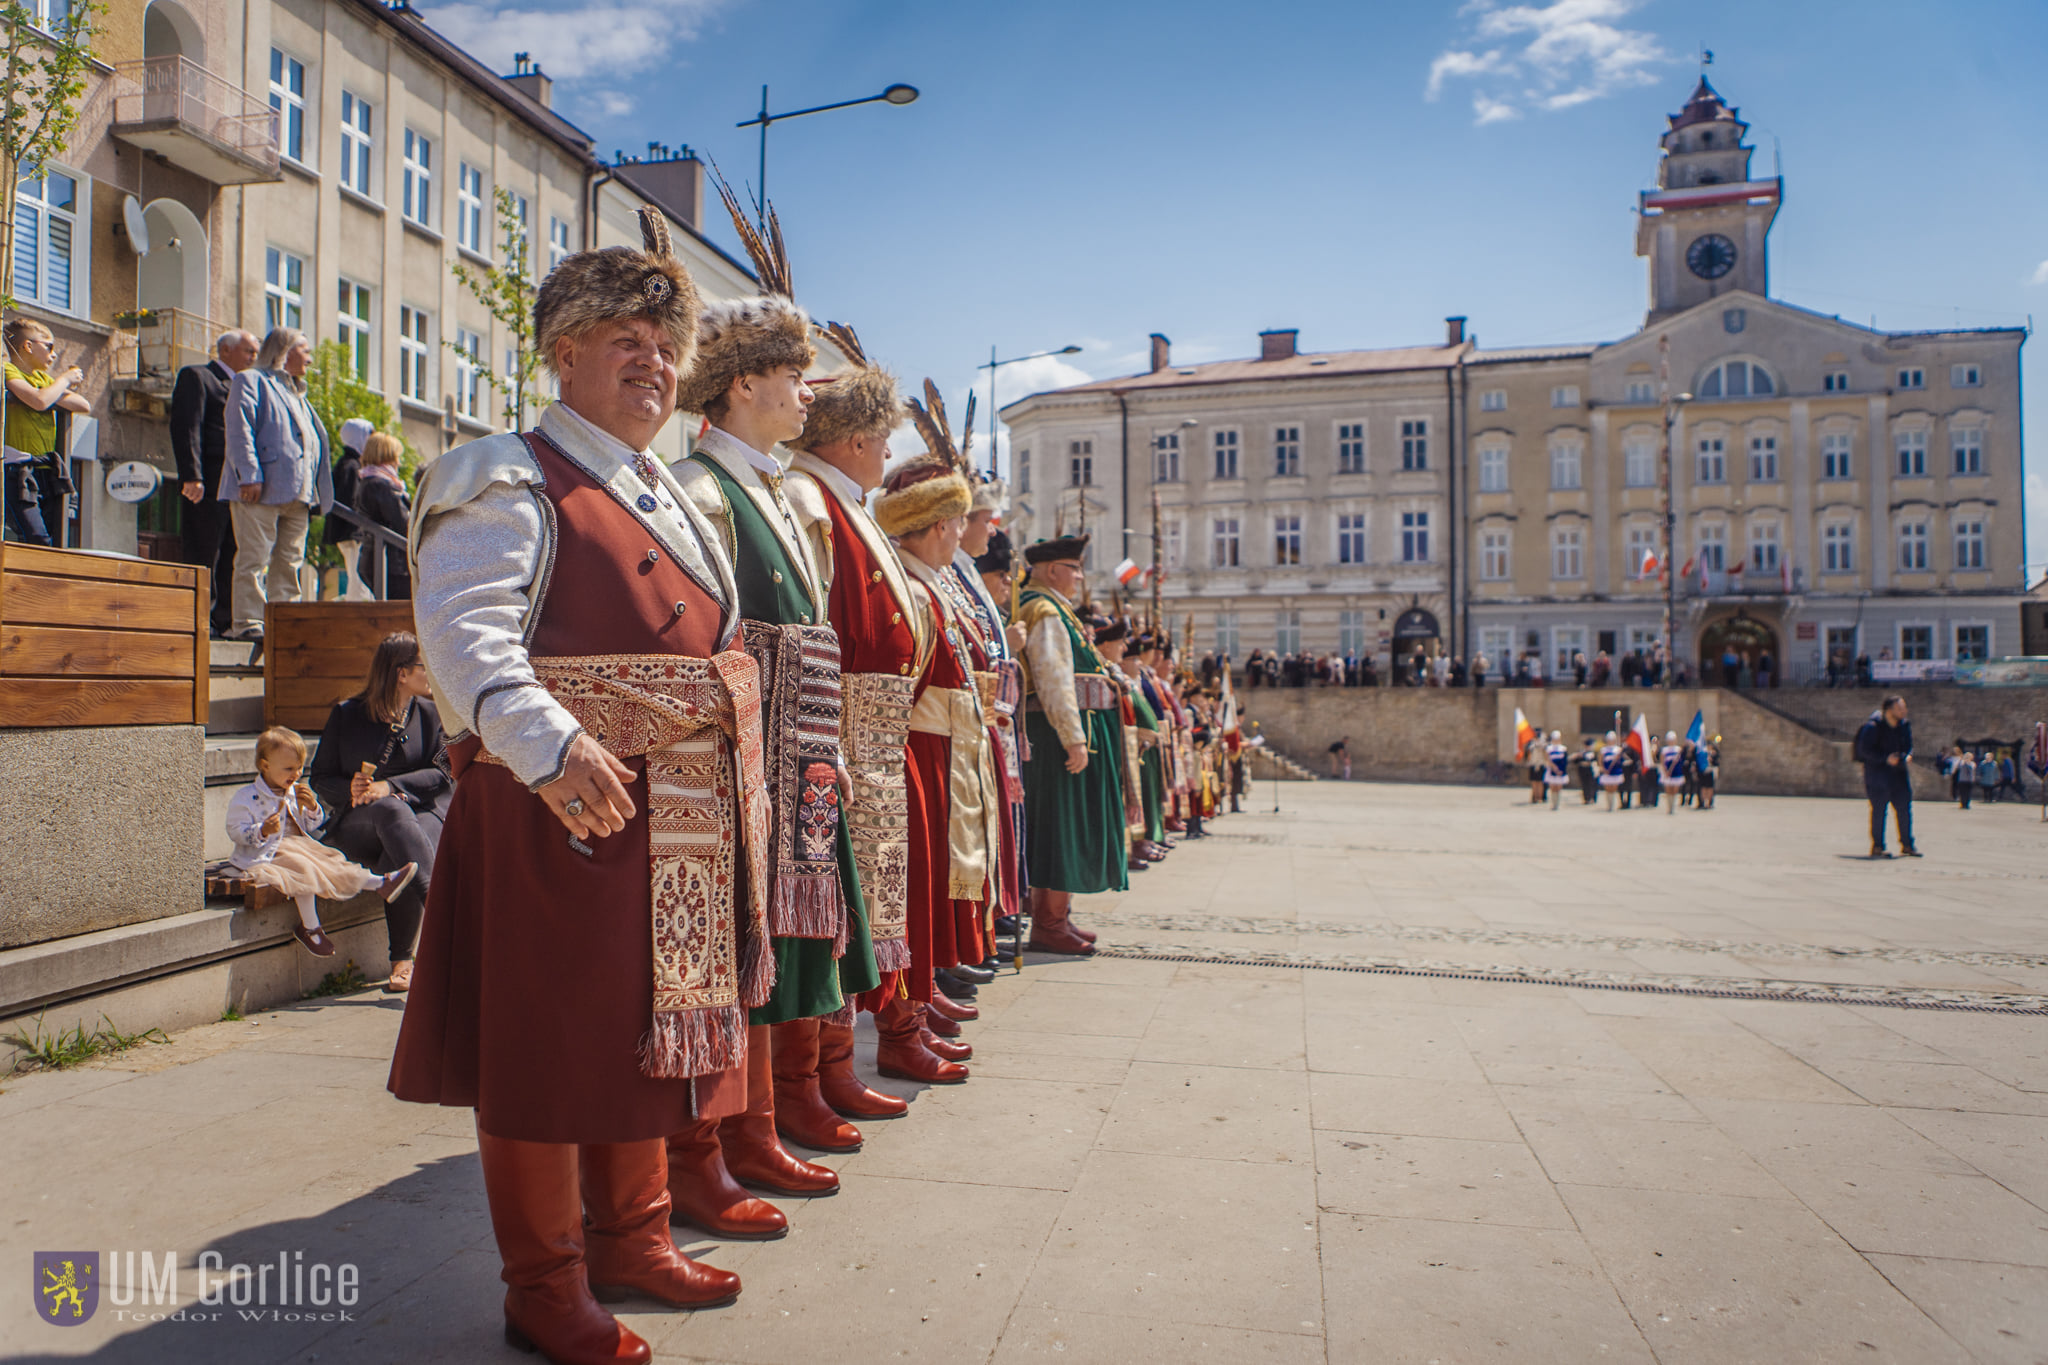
{"x":656,"y":288}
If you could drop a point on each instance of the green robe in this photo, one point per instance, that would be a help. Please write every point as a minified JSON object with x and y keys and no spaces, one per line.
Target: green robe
{"x":808,"y":983}
{"x":1074,"y":832}
{"x":1151,"y":775}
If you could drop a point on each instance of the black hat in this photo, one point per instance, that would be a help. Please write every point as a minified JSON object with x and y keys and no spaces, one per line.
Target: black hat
{"x":997,"y":558}
{"x":1112,"y":632}
{"x":1064,"y":547}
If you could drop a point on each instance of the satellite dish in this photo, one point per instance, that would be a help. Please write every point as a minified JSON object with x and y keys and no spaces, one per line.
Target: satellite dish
{"x":138,"y":226}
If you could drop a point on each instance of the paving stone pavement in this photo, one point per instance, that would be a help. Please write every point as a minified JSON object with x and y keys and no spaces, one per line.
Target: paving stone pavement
{"x":1481,"y":1115}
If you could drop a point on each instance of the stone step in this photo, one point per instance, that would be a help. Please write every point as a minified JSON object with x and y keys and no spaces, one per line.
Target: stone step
{"x":234,"y":701}
{"x":234,"y":654}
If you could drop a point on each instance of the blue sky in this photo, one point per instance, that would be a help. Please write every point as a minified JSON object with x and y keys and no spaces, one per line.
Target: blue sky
{"x":1092,"y":172}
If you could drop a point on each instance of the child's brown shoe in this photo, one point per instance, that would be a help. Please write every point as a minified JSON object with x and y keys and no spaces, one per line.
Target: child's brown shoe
{"x":317,"y":943}
{"x":397,"y":882}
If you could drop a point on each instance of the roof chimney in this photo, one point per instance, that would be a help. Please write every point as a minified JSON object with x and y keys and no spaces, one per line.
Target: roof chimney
{"x":1454,"y":331}
{"x":1162,"y":353}
{"x":529,"y":81}
{"x":672,"y":177}
{"x":1278,"y":344}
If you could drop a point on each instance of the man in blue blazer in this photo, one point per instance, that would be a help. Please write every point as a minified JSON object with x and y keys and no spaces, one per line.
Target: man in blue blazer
{"x":275,"y":475}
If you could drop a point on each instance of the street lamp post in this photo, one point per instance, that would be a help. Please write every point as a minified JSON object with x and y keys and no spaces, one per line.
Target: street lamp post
{"x":1674,"y":404}
{"x":992,"y":366}
{"x":895,"y":94}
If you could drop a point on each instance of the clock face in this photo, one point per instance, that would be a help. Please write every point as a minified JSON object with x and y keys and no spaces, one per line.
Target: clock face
{"x":1710,"y":257}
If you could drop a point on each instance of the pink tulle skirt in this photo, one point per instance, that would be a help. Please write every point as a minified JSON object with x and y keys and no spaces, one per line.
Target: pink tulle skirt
{"x":306,"y":867}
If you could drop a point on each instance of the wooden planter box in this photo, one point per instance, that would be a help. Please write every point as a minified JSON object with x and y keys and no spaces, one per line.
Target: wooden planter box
{"x":316,"y":653}
{"x":97,"y":640}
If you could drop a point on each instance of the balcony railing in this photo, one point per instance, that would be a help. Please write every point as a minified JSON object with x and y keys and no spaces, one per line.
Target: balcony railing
{"x":195,"y":119}
{"x":1749,"y":583}
{"x":151,"y":346}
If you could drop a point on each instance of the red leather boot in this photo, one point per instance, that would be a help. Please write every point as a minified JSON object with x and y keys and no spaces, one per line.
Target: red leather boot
{"x":943,"y":1047}
{"x":1051,"y":929}
{"x":702,"y":1192}
{"x":936,"y":1022}
{"x":753,"y":1153}
{"x":959,"y":1011}
{"x":627,"y":1246}
{"x":801,"y":1114}
{"x":844,"y":1090}
{"x":900,"y":1050}
{"x":537,"y":1218}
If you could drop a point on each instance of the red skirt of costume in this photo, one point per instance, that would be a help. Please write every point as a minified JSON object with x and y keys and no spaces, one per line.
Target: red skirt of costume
{"x":955,"y":924}
{"x":530,"y":1008}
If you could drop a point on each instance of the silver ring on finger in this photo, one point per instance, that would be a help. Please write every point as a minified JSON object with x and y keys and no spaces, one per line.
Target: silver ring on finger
{"x":574,"y":806}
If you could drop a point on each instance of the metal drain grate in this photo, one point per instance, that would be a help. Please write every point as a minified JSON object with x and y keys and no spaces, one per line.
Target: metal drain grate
{"x":1814,"y":992}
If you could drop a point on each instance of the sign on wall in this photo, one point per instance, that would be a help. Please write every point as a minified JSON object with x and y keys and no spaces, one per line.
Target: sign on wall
{"x":133,"y":481}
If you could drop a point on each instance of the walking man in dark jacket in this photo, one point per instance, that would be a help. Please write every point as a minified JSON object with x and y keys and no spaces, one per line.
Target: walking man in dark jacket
{"x":1884,"y":746}
{"x":199,"y":441}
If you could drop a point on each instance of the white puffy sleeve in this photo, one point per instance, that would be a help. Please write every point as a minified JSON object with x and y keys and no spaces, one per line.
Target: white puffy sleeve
{"x":1051,"y":656}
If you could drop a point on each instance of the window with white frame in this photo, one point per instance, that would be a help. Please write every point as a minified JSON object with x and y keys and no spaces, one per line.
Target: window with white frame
{"x":1835,"y":381}
{"x":1223,"y":542}
{"x":1493,"y":400}
{"x":412,"y":354}
{"x":1763,"y":459}
{"x":1838,"y":547}
{"x":1415,"y":537}
{"x":1024,"y":471}
{"x":1080,"y":464}
{"x":1493,"y":556}
{"x":1713,"y":460}
{"x":1287,"y":630}
{"x":1567,"y":645}
{"x":284,"y":279}
{"x":1912,"y":379}
{"x":522,"y":212}
{"x":288,"y":98}
{"x":1969,"y":541}
{"x":1641,"y":391}
{"x":1912,"y":447}
{"x":1415,"y":443}
{"x":1226,"y":635}
{"x":1351,"y":447}
{"x":1286,"y":540}
{"x":469,"y":208}
{"x":1497,"y":643}
{"x":1170,"y":542}
{"x":1736,"y":379}
{"x":1837,"y":455}
{"x":1916,"y":642}
{"x":418,"y":188}
{"x":1967,"y":444}
{"x":1286,"y":452}
{"x":1351,"y":632}
{"x":1226,"y":454}
{"x":1564,"y":396}
{"x":50,"y":249}
{"x":1965,"y":377}
{"x":1763,"y":547}
{"x":1973,"y":642}
{"x":355,"y":144}
{"x":558,"y":242}
{"x":1639,"y":461}
{"x":1493,"y":468}
{"x":469,"y":384}
{"x":1713,"y":552}
{"x":1351,"y":538}
{"x":1642,"y":547}
{"x":1565,"y":460}
{"x":352,"y":327}
{"x":1567,"y":552}
{"x":1166,"y":457}
{"x":1912,"y":547}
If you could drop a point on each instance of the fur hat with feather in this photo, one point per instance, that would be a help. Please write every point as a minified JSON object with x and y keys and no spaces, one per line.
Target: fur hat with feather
{"x":859,"y":400}
{"x":934,"y":486}
{"x":748,"y":336}
{"x":591,"y":288}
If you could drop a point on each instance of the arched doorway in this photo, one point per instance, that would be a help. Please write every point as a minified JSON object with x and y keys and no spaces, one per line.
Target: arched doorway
{"x":175,"y":273}
{"x":169,"y":31}
{"x":1745,"y":637}
{"x":1414,"y":630}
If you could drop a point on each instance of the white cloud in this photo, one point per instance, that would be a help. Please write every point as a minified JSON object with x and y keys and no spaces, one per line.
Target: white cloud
{"x":609,"y":38}
{"x":2040,"y":274}
{"x":1552,"y":56}
{"x":608,"y":103}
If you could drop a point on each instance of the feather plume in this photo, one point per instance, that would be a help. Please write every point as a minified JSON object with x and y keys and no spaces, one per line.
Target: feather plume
{"x":929,"y":417}
{"x":841,"y":334}
{"x":654,"y":233}
{"x":967,"y":436}
{"x":770,"y":258}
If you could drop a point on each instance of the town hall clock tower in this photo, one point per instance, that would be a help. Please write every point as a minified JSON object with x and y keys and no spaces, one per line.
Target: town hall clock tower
{"x":1706,"y":226}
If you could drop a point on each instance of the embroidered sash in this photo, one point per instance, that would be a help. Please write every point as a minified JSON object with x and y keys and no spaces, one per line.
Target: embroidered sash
{"x":800,"y":715}
{"x":690,"y":718}
{"x":875,"y":726}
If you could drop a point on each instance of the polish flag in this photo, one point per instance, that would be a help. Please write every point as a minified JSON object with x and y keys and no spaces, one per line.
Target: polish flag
{"x":1525,"y":734}
{"x":1686,"y":572}
{"x":1649,"y":565}
{"x":1785,"y":575}
{"x":1639,"y":739}
{"x":1703,"y":577}
{"x":1128,"y":572}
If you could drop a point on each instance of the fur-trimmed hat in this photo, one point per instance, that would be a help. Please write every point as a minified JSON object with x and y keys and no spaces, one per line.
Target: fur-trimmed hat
{"x":858,"y":400}
{"x":615,"y":283}
{"x":991,"y":494}
{"x":919,"y":496}
{"x":998,"y":557}
{"x":1061,"y":547}
{"x":1111,"y":633}
{"x":748,"y":336}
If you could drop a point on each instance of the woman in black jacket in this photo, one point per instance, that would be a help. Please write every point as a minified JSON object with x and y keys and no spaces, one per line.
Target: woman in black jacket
{"x":381,"y":764}
{"x":381,"y":498}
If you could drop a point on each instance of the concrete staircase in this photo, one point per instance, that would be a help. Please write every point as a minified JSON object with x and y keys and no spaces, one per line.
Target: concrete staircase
{"x":1268,"y":763}
{"x":234,"y":688}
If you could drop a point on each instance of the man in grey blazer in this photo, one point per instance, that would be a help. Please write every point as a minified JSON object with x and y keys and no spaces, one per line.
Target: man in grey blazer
{"x":275,"y":474}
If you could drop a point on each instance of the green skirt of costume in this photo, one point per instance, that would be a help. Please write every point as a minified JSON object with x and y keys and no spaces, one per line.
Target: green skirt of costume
{"x":1074,"y":822}
{"x":1152,"y":782}
{"x":808,"y":982}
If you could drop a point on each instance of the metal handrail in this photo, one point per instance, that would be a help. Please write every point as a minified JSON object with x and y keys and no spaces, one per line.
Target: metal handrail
{"x":382,"y":537}
{"x":154,"y":89}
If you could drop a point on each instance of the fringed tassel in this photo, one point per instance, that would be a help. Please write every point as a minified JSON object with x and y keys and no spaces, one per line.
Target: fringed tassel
{"x":757,"y":969}
{"x":686,"y":1043}
{"x":806,"y":904}
{"x":841,"y":1017}
{"x":892,"y":954}
{"x":839,"y":939}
